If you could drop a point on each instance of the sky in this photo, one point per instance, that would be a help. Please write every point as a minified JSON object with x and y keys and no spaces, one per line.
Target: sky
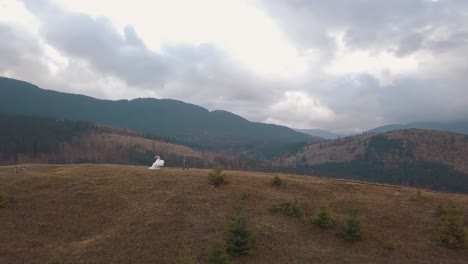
{"x":340,"y":65}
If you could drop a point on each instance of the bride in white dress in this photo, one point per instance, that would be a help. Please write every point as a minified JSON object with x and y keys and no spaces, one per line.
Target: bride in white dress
{"x":157,"y":164}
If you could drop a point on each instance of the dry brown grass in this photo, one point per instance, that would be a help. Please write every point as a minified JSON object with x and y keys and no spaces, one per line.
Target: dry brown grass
{"x":127,"y":214}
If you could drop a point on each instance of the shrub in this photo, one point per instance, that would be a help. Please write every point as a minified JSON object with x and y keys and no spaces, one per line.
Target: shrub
{"x":451,"y":231}
{"x":216,"y":178}
{"x":389,"y":246}
{"x":290,"y":208}
{"x":186,"y":256}
{"x":55,"y":260}
{"x":276,"y":181}
{"x":3,"y":201}
{"x":351,"y":230}
{"x":218,"y":254}
{"x":416,"y":196}
{"x":240,"y":240}
{"x":447,"y":208}
{"x":244,"y":195}
{"x":323,"y":219}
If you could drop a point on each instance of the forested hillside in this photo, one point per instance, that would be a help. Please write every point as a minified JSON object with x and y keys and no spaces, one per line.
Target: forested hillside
{"x":423,"y":158}
{"x":189,"y":124}
{"x":29,"y":139}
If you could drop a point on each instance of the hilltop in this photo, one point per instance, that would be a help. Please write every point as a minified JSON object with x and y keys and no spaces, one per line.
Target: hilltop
{"x":189,"y":124}
{"x":113,"y":213}
{"x":423,"y":158}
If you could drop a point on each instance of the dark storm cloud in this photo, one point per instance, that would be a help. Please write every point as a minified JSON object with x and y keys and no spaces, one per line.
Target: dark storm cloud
{"x":424,"y":100}
{"x":97,"y":41}
{"x":213,"y":74}
{"x":368,"y":24}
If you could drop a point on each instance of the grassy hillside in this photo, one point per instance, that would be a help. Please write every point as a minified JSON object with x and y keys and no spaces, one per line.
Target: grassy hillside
{"x":193,"y":125}
{"x":424,"y":158}
{"x":126,"y":214}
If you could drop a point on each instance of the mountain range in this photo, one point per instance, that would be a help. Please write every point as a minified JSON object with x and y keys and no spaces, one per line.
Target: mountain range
{"x":43,"y":126}
{"x":188,"y":124}
{"x":320,"y":133}
{"x":456,"y":127}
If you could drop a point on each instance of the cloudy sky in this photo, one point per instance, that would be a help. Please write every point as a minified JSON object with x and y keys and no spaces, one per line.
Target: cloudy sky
{"x":342,"y":65}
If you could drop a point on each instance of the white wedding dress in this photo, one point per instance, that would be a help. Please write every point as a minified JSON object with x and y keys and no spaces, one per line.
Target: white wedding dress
{"x":157,"y":164}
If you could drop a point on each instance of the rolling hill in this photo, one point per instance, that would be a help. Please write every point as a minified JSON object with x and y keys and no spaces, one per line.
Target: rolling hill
{"x":128,"y":214}
{"x":423,"y":158}
{"x":189,"y":124}
{"x":29,"y":139}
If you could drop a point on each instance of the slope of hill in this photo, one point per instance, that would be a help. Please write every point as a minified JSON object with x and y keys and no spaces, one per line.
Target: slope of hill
{"x":425,"y":158}
{"x":127,"y":214}
{"x":456,"y":127}
{"x":28,"y":139}
{"x":187,"y":123}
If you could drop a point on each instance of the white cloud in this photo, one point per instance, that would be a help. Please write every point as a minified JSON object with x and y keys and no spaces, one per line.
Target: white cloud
{"x":297,"y":107}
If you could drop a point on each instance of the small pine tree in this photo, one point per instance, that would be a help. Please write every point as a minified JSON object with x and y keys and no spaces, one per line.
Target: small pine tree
{"x":240,"y":240}
{"x":452,"y":232}
{"x":289,"y":208}
{"x":218,"y":254}
{"x":323,"y":219}
{"x":3,"y":200}
{"x":416,"y":196}
{"x":276,"y":181}
{"x":351,"y":230}
{"x":186,"y":256}
{"x":55,"y":260}
{"x":245,"y":194}
{"x":447,"y":208}
{"x":216,"y":177}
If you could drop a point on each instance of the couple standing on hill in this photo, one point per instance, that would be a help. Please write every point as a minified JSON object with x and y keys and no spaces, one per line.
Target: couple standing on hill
{"x":159,"y":163}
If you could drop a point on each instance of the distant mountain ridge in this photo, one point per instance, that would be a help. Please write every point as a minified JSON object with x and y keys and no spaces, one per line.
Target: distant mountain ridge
{"x":455,"y":127}
{"x":187,"y":123}
{"x":320,"y":133}
{"x":415,"y":157}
